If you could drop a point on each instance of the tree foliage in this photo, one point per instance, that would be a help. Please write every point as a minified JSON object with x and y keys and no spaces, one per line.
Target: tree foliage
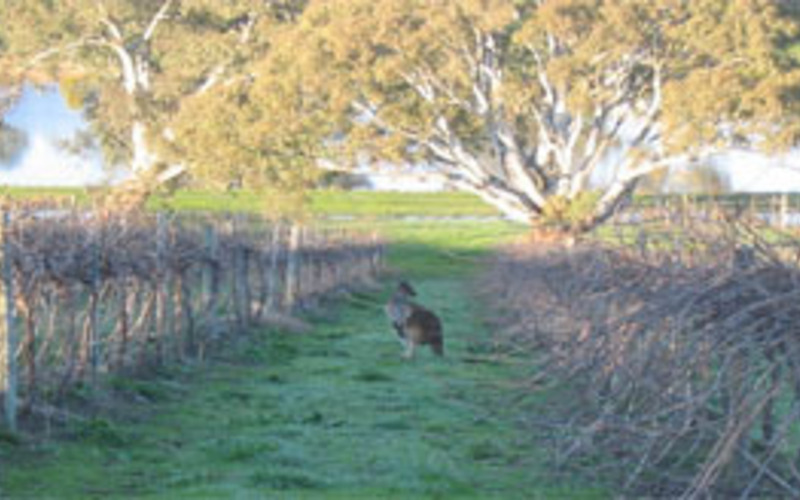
{"x":151,"y":75}
{"x":12,"y":140}
{"x":542,"y":107}
{"x":529,"y":102}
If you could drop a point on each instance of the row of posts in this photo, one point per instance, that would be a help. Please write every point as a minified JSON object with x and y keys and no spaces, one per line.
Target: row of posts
{"x":776,"y":210}
{"x":164,"y":314}
{"x":9,"y":340}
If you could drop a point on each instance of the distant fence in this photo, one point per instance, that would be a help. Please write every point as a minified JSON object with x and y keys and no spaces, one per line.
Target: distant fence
{"x":689,"y":226}
{"x":86,"y":294}
{"x":778,"y":210}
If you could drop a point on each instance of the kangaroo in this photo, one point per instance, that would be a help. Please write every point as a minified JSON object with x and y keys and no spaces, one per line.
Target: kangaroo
{"x":414,"y":324}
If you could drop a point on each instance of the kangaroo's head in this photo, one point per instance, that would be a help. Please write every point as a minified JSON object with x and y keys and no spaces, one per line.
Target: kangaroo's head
{"x":403,"y":288}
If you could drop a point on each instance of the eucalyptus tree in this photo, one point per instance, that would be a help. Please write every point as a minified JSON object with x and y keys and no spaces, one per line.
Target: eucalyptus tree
{"x":132,"y":64}
{"x":12,"y":140}
{"x":276,"y":118}
{"x":554,"y":109}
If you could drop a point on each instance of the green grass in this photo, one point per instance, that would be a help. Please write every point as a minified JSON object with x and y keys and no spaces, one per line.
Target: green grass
{"x":208,"y":201}
{"x":371,"y":204}
{"x":332,"y":414}
{"x":392,"y":204}
{"x":44,"y":193}
{"x":320,"y":203}
{"x":339,"y":203}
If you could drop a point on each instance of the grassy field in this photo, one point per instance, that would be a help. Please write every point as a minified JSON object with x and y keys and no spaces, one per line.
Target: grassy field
{"x":44,"y":193}
{"x":333,"y":413}
{"x":335,"y":202}
{"x":339,"y":203}
{"x":330,"y":203}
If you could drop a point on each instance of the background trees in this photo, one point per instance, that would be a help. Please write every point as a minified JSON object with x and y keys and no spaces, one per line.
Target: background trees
{"x":12,"y":140}
{"x":544,"y":104}
{"x":538,"y":106}
{"x":133,"y":65}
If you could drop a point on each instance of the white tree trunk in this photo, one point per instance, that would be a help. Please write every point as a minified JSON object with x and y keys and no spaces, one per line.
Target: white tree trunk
{"x":512,"y":210}
{"x":143,"y":159}
{"x":135,"y":68}
{"x":608,"y":203}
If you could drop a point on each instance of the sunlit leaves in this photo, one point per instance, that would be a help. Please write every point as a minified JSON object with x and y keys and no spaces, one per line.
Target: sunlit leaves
{"x":650,"y":80}
{"x":198,"y":57}
{"x":256,"y":91}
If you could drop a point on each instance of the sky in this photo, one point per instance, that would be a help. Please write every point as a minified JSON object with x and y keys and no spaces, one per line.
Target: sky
{"x":752,"y":172}
{"x":44,"y":115}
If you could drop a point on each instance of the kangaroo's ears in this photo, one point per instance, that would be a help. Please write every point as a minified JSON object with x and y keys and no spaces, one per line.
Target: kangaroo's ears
{"x":406,"y":288}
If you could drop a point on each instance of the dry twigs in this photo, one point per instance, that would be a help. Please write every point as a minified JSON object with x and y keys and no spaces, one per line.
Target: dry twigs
{"x":96,"y":293}
{"x":683,"y":361}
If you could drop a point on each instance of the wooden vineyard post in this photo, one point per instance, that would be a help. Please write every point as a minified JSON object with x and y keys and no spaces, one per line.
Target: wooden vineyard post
{"x":161,"y":289}
{"x":8,"y":334}
{"x":305,"y":281}
{"x":210,"y":282}
{"x":245,"y":291}
{"x":274,"y":260}
{"x":187,"y":315}
{"x":677,"y":245}
{"x":377,"y":255}
{"x":366,"y":259}
{"x":774,"y":212}
{"x":210,"y":270}
{"x":326,"y":267}
{"x":171,"y":336}
{"x":685,"y":211}
{"x":235,"y":288}
{"x":341,"y":268}
{"x":240,"y":285}
{"x":641,"y":244}
{"x":125,"y":296}
{"x":172,"y":306}
{"x":308,"y":282}
{"x":783,"y":219}
{"x":93,"y":342}
{"x":292,"y":268}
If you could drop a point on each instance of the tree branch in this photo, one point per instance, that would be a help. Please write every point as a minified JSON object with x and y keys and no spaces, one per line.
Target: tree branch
{"x":541,"y":75}
{"x":112,"y":27}
{"x":210,"y":81}
{"x":129,"y":79}
{"x":506,"y":201}
{"x":649,"y":167}
{"x":423,"y":88}
{"x":157,"y":19}
{"x":54,"y":51}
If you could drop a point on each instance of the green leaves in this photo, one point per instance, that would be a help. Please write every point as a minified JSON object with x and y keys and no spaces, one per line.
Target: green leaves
{"x":480,"y":88}
{"x":518,"y":100}
{"x":183,"y":70}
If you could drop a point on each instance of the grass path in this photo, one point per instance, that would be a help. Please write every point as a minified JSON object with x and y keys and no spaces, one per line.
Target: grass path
{"x":333,"y":413}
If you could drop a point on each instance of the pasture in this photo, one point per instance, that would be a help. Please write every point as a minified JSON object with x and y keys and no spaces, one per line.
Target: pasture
{"x":322,"y":203}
